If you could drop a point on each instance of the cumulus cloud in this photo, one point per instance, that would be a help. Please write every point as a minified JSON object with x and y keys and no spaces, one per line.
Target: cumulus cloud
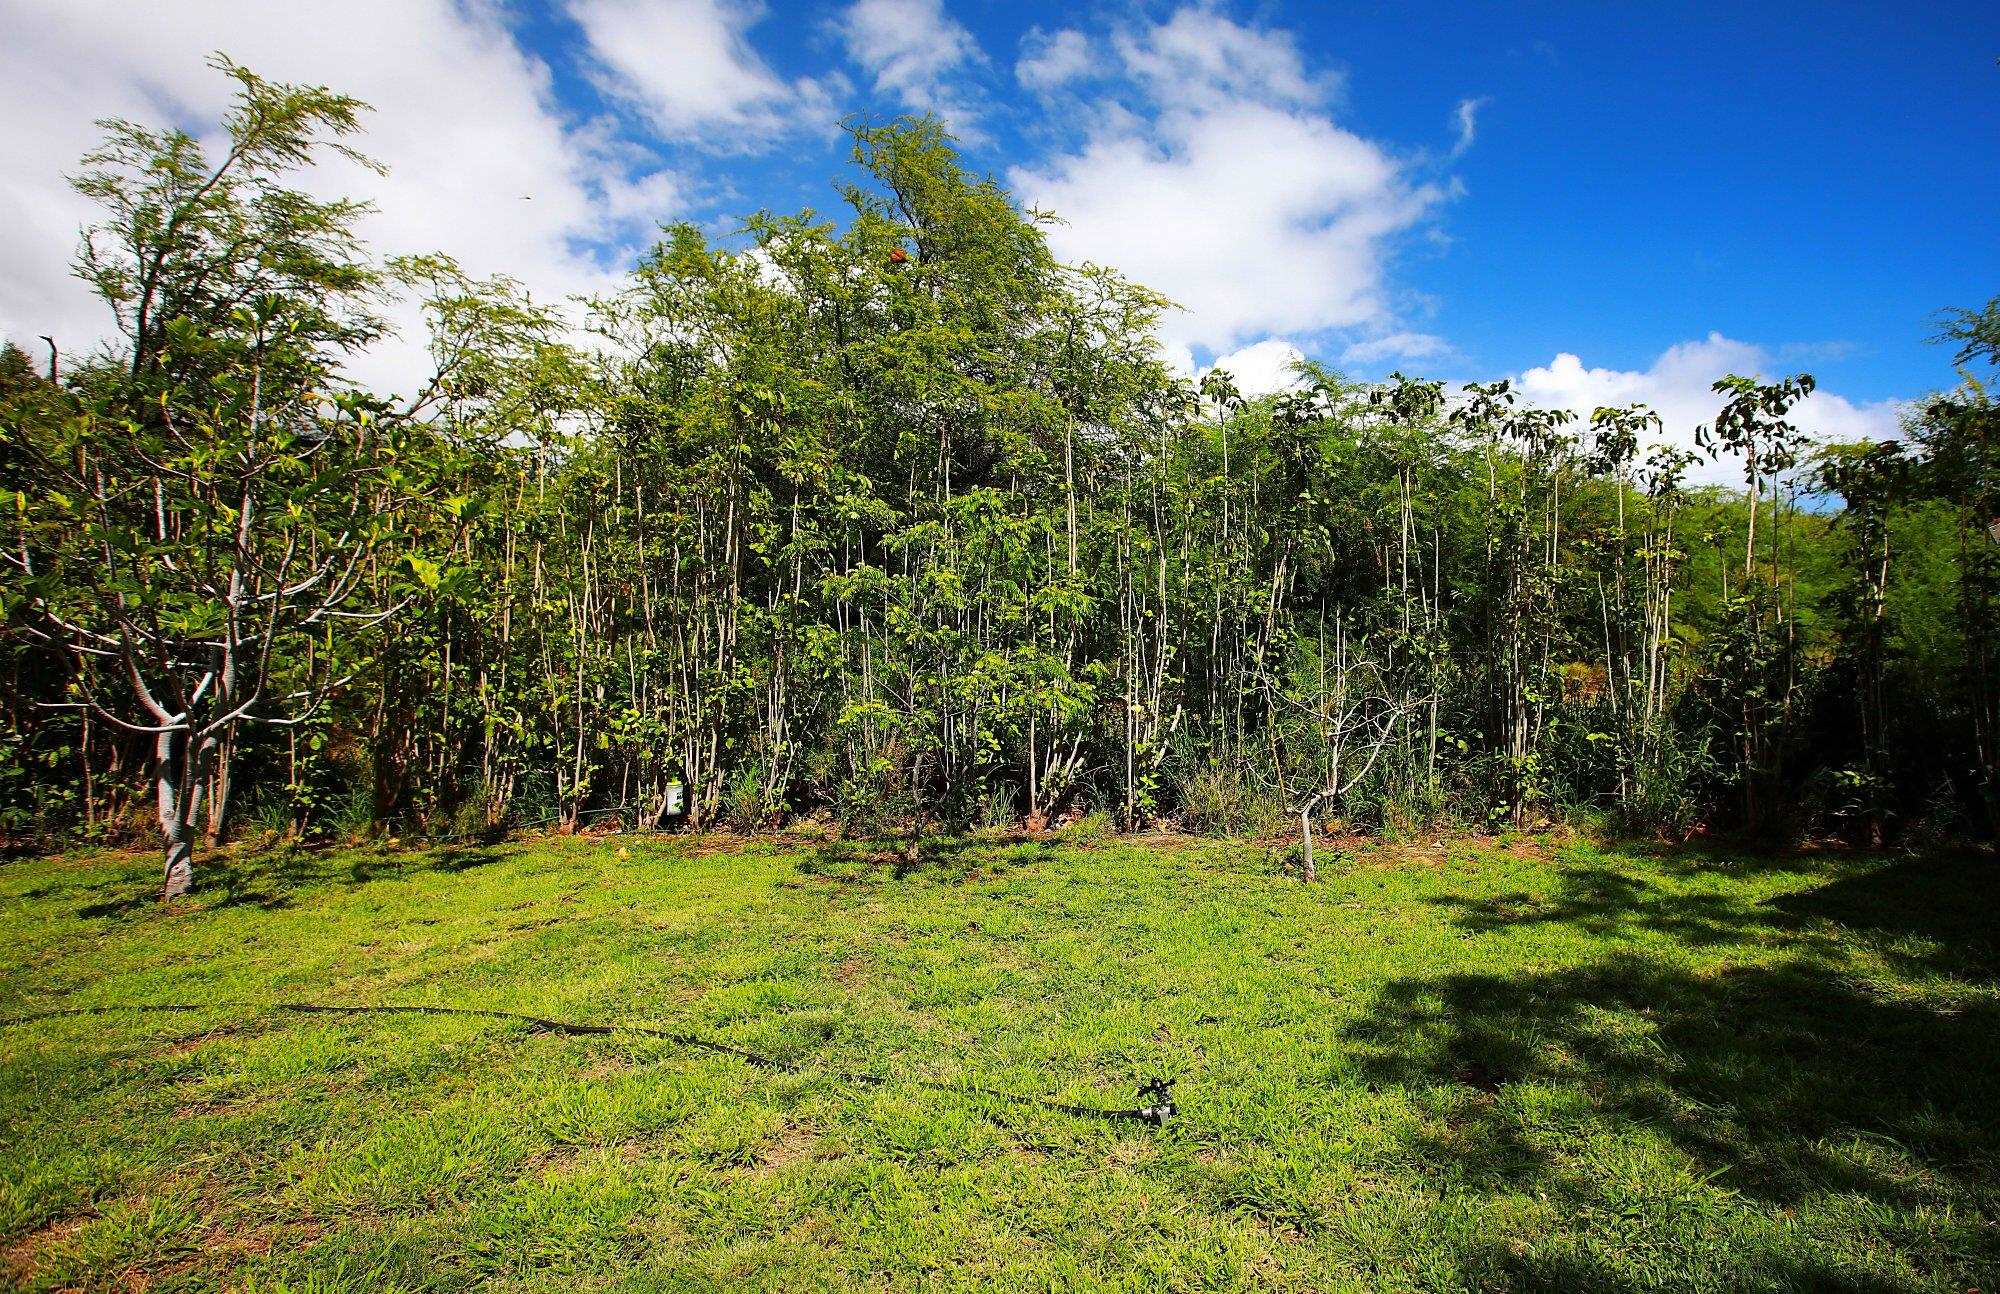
{"x":1676,"y":385}
{"x":1217,"y":174}
{"x":1200,"y":54}
{"x":912,"y":48}
{"x":1051,"y":60}
{"x":508,"y":187}
{"x":1263,"y":368}
{"x":689,"y":66}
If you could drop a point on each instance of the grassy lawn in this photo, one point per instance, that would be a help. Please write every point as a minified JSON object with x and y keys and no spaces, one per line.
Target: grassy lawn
{"x":1498,"y":1065}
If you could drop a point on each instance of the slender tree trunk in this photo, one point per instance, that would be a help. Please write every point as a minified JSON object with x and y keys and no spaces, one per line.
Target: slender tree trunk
{"x":179,"y":789}
{"x":218,"y":795}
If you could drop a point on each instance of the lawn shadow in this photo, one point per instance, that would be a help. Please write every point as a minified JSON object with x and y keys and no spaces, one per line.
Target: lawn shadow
{"x":1795,"y":1082}
{"x":1710,"y":855}
{"x":1604,"y":901}
{"x":1933,"y":915}
{"x":945,"y":859}
{"x":128,"y":901}
{"x":271,"y":879}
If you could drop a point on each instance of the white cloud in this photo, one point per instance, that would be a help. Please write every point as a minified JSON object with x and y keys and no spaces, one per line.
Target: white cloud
{"x":1052,"y":60}
{"x":911,"y":48}
{"x":688,"y":65}
{"x":1466,"y":118}
{"x":1178,"y":359}
{"x":1221,"y":179}
{"x":1676,"y":385}
{"x":1263,"y":368}
{"x":1201,"y":55}
{"x":1395,"y":346}
{"x":482,"y":164}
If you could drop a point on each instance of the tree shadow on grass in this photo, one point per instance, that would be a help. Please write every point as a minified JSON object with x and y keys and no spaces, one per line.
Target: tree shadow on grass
{"x":273,"y":878}
{"x":1609,"y":903}
{"x":1930,"y":915}
{"x":1943,"y":906}
{"x":945,"y":859}
{"x":1792,"y":1080}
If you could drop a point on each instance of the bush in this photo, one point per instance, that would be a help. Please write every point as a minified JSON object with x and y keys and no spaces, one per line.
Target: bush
{"x":1089,"y":829}
{"x":873,"y":801}
{"x":998,"y":811}
{"x":1670,"y":794}
{"x":1219,"y":801}
{"x":747,"y":803}
{"x":1942,"y":822}
{"x":271,"y":815}
{"x":353,"y":814}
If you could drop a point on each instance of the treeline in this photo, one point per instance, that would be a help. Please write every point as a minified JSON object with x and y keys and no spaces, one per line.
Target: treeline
{"x":901,"y":520}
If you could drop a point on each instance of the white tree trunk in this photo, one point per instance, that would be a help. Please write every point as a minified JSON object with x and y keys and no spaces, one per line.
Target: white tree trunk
{"x":179,"y":775}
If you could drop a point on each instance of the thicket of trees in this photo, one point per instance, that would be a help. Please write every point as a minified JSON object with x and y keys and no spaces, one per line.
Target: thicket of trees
{"x":903,"y":520}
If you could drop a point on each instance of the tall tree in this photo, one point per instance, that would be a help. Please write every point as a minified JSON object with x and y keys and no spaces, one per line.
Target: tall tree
{"x":212,"y":518}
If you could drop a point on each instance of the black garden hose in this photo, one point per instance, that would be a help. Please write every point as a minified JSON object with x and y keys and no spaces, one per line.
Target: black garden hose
{"x":1156,"y":1094}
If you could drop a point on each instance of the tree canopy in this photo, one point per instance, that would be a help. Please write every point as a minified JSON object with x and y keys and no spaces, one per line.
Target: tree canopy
{"x":899,"y":519}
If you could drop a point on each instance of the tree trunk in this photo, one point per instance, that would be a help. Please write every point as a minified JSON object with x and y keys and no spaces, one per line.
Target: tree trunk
{"x":178,"y":788}
{"x":218,"y":796}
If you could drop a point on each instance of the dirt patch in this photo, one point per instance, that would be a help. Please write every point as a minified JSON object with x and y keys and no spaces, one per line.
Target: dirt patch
{"x":1129,"y":1152}
{"x":1458,"y":851}
{"x":706,"y":844}
{"x":1482,"y":1077}
{"x":20,"y":1259}
{"x":1533,"y":849}
{"x":555,"y":1161}
{"x":1285,"y":1233}
{"x":852,"y":971}
{"x":195,"y":1041}
{"x":256,"y":1240}
{"x":798,"y":1143}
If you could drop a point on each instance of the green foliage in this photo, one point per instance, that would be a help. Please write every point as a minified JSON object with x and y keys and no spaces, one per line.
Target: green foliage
{"x":1220,"y":801}
{"x":746,"y":801}
{"x":1089,"y":829}
{"x":900,"y":517}
{"x":1976,"y":333}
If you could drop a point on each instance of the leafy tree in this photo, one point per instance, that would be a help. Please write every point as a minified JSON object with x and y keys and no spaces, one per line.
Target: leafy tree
{"x":1976,"y":333}
{"x":211,"y":520}
{"x":1756,"y":655}
{"x":897,"y":516}
{"x":1960,"y":437}
{"x":1872,"y":480}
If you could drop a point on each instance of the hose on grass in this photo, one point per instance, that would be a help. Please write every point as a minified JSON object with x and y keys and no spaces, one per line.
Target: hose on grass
{"x":1156,"y":1094}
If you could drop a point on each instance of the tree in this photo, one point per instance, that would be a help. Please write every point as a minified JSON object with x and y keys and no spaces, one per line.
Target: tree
{"x":1872,"y":479}
{"x":1976,"y":333}
{"x":1529,"y":454}
{"x":215,"y":520}
{"x":900,"y":516}
{"x":1757,"y":657}
{"x":1960,"y":436}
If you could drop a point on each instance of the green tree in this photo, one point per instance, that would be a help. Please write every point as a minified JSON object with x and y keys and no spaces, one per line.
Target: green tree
{"x":1757,"y":653}
{"x":212,"y":519}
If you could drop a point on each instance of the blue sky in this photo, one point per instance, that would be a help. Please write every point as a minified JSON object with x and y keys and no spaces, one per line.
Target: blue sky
{"x":1607,"y":202}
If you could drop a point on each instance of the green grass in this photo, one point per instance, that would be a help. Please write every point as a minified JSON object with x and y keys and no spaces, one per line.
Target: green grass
{"x":1495,"y":1065}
